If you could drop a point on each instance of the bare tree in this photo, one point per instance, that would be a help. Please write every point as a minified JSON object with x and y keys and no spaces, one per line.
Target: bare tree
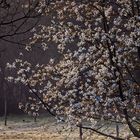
{"x":17,"y":19}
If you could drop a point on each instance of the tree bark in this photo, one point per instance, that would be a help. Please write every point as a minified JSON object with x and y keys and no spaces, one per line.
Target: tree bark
{"x":117,"y":130}
{"x":5,"y":106}
{"x":80,"y":132}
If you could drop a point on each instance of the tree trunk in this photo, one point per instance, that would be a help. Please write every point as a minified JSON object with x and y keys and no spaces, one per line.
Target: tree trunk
{"x":35,"y":117}
{"x":80,"y":132}
{"x":117,"y":130}
{"x":5,"y":107}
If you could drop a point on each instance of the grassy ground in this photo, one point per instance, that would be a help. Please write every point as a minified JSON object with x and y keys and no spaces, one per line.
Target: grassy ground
{"x":46,"y":128}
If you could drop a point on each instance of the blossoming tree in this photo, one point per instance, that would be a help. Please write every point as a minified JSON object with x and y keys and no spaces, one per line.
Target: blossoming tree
{"x":17,"y":18}
{"x":94,"y":79}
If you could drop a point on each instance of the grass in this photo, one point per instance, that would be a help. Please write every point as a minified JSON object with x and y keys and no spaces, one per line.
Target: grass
{"x":23,"y":127}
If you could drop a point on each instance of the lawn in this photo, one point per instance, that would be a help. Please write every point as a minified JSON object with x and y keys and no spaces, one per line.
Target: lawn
{"x":46,"y":128}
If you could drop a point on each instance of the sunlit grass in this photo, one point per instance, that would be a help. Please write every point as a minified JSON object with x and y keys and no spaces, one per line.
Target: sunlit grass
{"x":23,"y":127}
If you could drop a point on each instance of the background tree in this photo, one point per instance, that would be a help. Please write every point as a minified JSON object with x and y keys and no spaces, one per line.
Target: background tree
{"x":17,"y":19}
